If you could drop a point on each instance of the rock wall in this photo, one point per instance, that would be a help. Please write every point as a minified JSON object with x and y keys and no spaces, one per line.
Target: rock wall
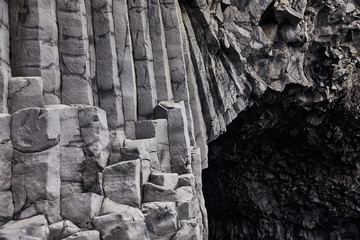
{"x":107,"y":106}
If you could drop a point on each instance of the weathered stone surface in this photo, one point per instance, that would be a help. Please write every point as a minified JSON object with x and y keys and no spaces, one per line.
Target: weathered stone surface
{"x":6,"y":206}
{"x":95,"y":134}
{"x":143,"y":149}
{"x":25,"y":92}
{"x":122,"y":182}
{"x":62,"y":229}
{"x":74,"y":52}
{"x":108,"y":82}
{"x":185,"y":203}
{"x":125,"y":61}
{"x":36,"y":176}
{"x":186,"y":180}
{"x":143,"y":58}
{"x":6,"y":155}
{"x":4,"y":127}
{"x":161,"y":218}
{"x":126,"y":224}
{"x":167,"y":180}
{"x":154,"y":193}
{"x":81,"y":208}
{"x":34,"y":37}
{"x":188,"y":230}
{"x":5,"y":72}
{"x":84,"y":235}
{"x":32,"y":228}
{"x":157,"y":129}
{"x":35,"y":129}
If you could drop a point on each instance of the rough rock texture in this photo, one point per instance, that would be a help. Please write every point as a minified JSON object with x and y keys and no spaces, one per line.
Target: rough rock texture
{"x":113,"y":103}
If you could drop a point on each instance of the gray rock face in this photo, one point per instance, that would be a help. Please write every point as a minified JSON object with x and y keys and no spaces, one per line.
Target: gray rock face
{"x":62,"y":229}
{"x":5,"y":71}
{"x":35,"y":129}
{"x":32,"y":228}
{"x":122,"y":182}
{"x":85,"y":235}
{"x":81,"y":208}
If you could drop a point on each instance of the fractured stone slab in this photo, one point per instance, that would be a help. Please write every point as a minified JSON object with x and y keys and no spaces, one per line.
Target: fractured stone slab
{"x":5,"y":71}
{"x":25,"y":92}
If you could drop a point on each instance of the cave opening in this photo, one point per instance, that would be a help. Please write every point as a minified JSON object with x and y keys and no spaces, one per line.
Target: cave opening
{"x":287,"y":168}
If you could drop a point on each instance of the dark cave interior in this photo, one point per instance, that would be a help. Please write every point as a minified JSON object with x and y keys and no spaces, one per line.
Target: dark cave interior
{"x":287,"y":168}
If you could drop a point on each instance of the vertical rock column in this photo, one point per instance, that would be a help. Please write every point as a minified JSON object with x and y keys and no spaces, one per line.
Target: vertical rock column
{"x":6,"y":154}
{"x":34,"y":44}
{"x":35,"y":134}
{"x":108,"y":81}
{"x":143,"y":57}
{"x":126,"y":66}
{"x":172,"y":19}
{"x":74,"y":53}
{"x":4,"y":55}
{"x":161,"y":62}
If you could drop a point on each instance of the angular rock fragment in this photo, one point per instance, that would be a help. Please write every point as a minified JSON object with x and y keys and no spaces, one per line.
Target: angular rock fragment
{"x":154,"y":193}
{"x":186,"y":180}
{"x":188,"y":230}
{"x":62,"y":229}
{"x":167,"y":180}
{"x":125,"y":225}
{"x":179,"y":140}
{"x":161,"y":218}
{"x":31,"y":228}
{"x":84,"y":235}
{"x":185,"y":203}
{"x":6,"y":155}
{"x":50,"y":209}
{"x":35,"y":129}
{"x":36,"y":176}
{"x":6,"y":206}
{"x":5,"y":120}
{"x":81,"y":208}
{"x":25,"y":92}
{"x":157,"y":129}
{"x":122,"y":182}
{"x":284,"y":13}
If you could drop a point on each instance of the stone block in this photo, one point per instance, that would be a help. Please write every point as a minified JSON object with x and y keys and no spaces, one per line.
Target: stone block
{"x":161,"y":218}
{"x":25,"y":92}
{"x":36,"y":176}
{"x":81,"y":208}
{"x":122,"y":226}
{"x":84,"y":235}
{"x":6,"y":156}
{"x":189,"y":230}
{"x":6,"y":206}
{"x":5,"y":120}
{"x":167,"y":180}
{"x":35,"y":129}
{"x":186,"y":180}
{"x":31,"y":228}
{"x":154,"y":193}
{"x":62,"y":229}
{"x":122,"y":182}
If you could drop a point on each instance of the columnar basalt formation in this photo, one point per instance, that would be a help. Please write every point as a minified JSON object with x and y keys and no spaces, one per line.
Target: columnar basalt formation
{"x":107,"y":108}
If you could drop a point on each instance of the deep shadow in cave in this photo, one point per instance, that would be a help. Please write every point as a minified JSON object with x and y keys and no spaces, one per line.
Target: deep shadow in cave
{"x":287,"y":168}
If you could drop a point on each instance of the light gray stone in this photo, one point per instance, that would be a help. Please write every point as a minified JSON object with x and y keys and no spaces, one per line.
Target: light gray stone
{"x":25,"y":92}
{"x":161,"y":218}
{"x":157,"y":129}
{"x":6,"y":155}
{"x":4,"y":127}
{"x":143,"y":58}
{"x":6,"y":206}
{"x":125,"y":61}
{"x":50,"y":209}
{"x":188,"y":230}
{"x":108,"y":82}
{"x":81,"y":208}
{"x":122,"y":225}
{"x":122,"y":182}
{"x":154,"y":193}
{"x":73,"y":34}
{"x":35,"y":129}
{"x":31,"y":228}
{"x":84,"y":235}
{"x":179,"y":140}
{"x":62,"y":229}
{"x":5,"y":71}
{"x":34,"y":37}
{"x":36,"y":176}
{"x":185,"y":203}
{"x":167,"y":180}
